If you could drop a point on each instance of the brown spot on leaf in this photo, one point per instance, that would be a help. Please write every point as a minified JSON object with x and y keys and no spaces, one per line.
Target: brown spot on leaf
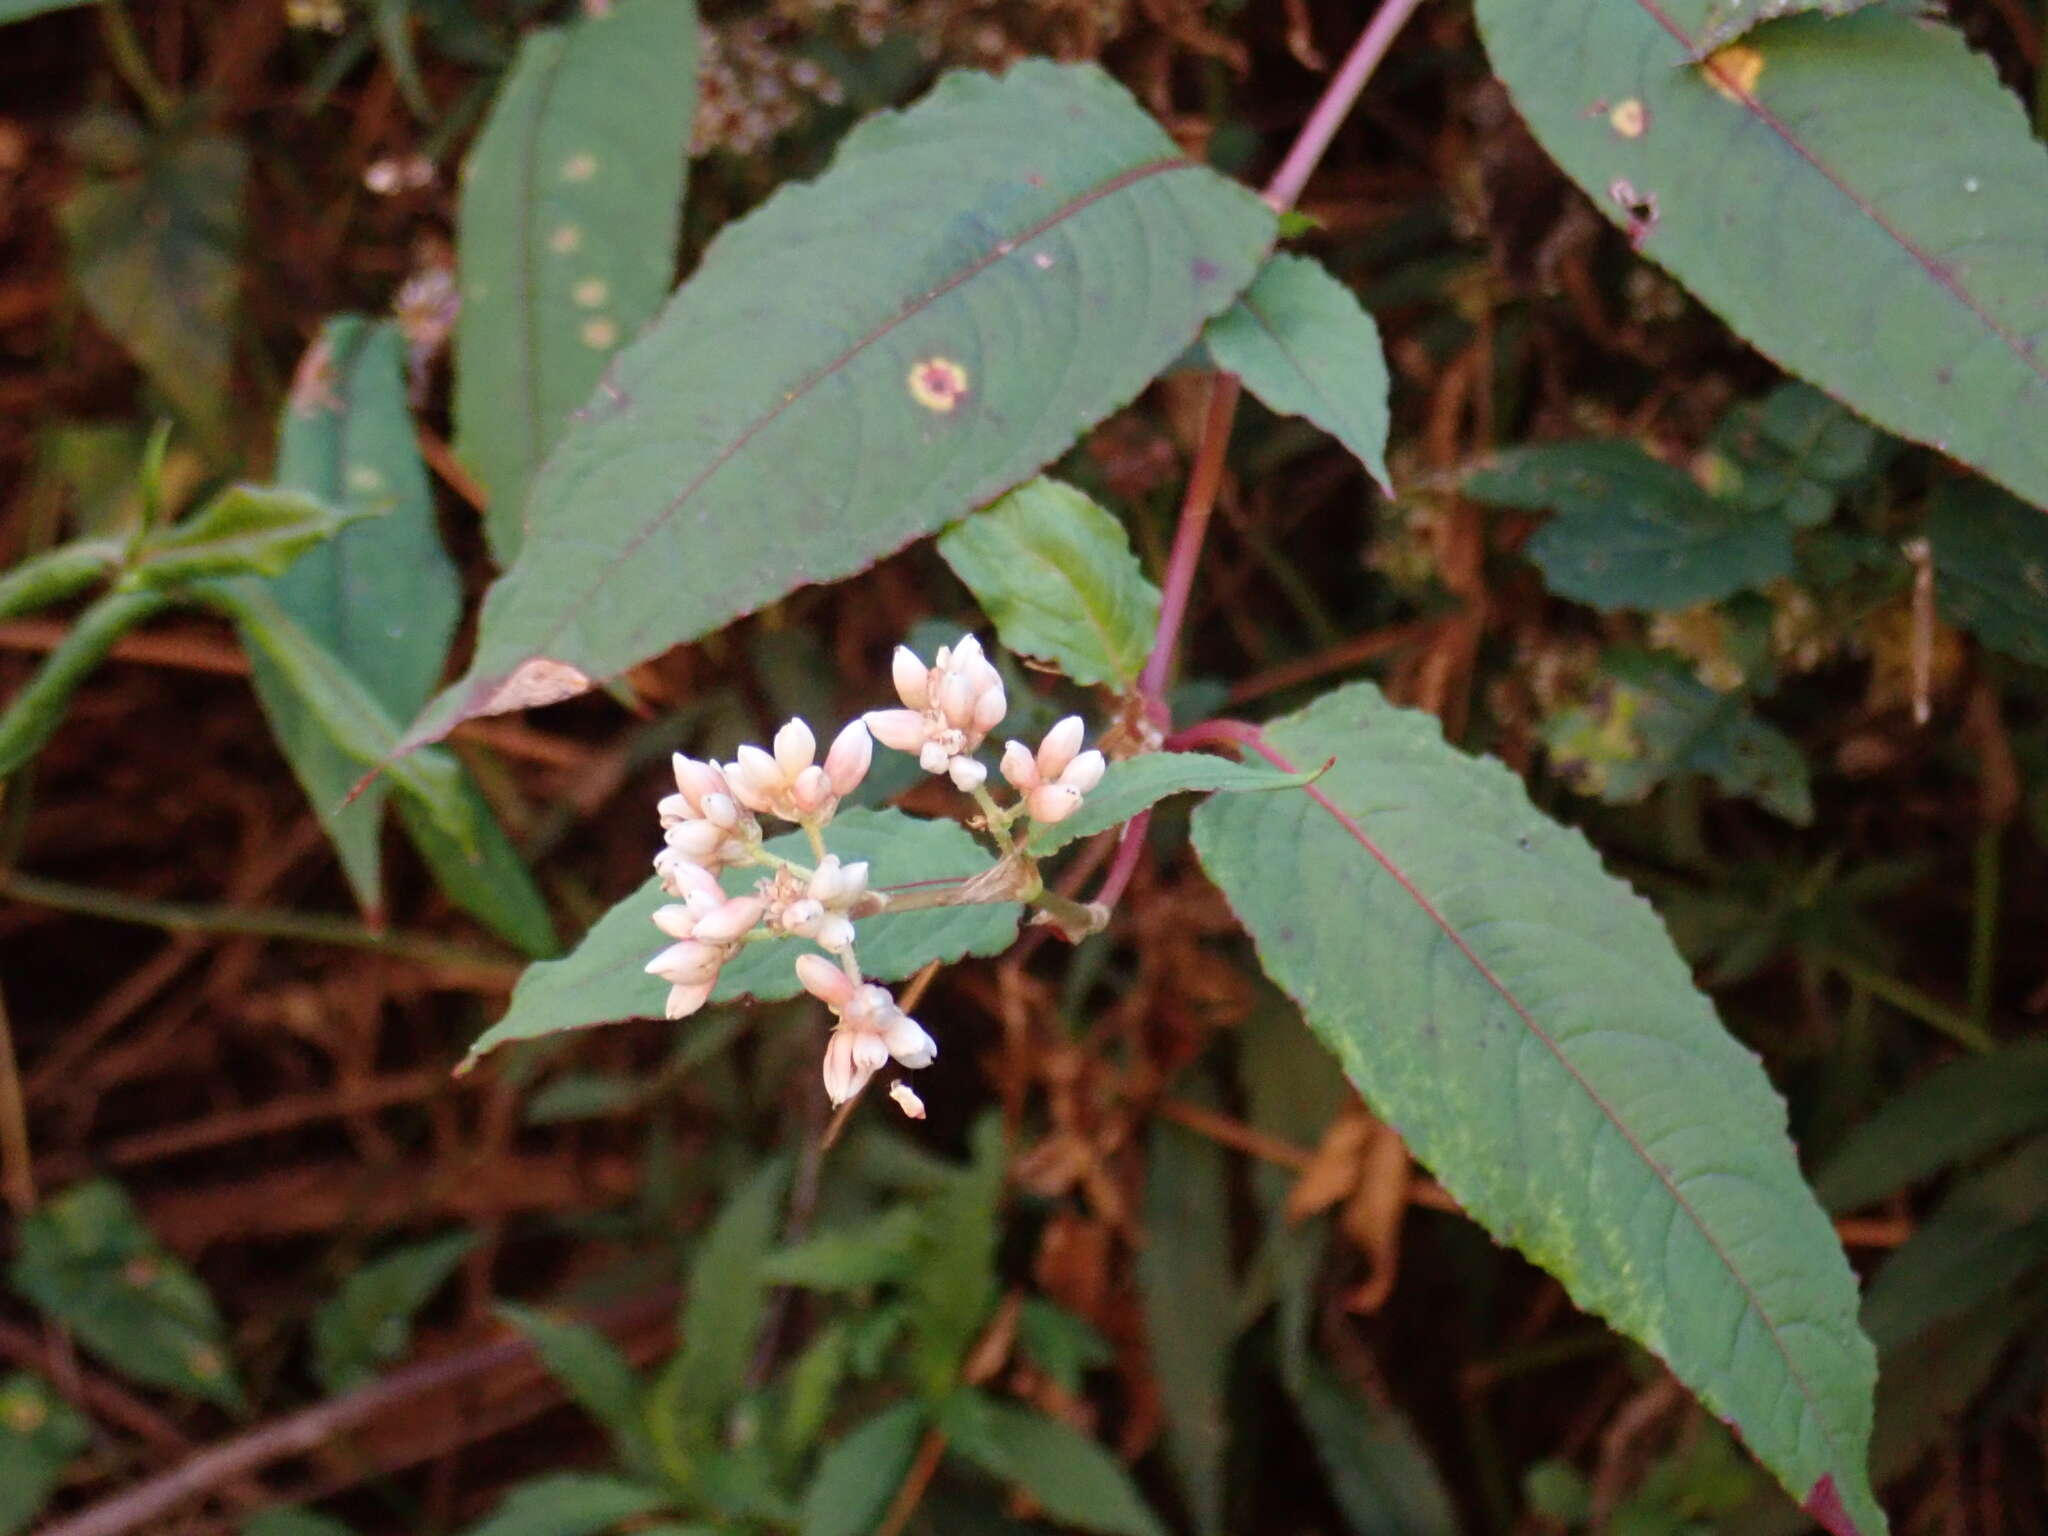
{"x":938,"y":383}
{"x":534,"y":683}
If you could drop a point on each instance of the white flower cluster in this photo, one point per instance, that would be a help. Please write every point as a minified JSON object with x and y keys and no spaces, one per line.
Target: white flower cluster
{"x":710,"y":824}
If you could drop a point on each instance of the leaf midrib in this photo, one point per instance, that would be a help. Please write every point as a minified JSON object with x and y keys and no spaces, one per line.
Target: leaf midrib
{"x":1001,"y":248}
{"x":1593,"y":1095}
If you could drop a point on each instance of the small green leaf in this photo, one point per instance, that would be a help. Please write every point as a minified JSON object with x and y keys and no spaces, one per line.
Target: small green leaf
{"x":1632,"y":531}
{"x":571,"y":204}
{"x":1792,"y":454}
{"x":86,"y":1259}
{"x":40,"y":1435}
{"x":154,"y":229}
{"x":604,"y":979}
{"x":1382,"y":1476}
{"x":368,"y":1322}
{"x":858,"y":363}
{"x":34,"y":713}
{"x":570,"y":1504}
{"x":1055,"y":573}
{"x":859,"y":1475}
{"x":810,"y":1388}
{"x":953,"y":1287}
{"x":1522,"y":1019}
{"x":245,"y":530}
{"x":1073,"y":1479}
{"x":1134,"y":783}
{"x":593,"y":1372}
{"x":1991,"y":567}
{"x":1954,"y":1113}
{"x":1062,"y":1345}
{"x":1915,"y":298}
{"x":392,"y":21}
{"x":1189,"y":1297}
{"x":865,"y":1253}
{"x":58,"y":574}
{"x":1652,"y":719}
{"x":722,"y":1310}
{"x":1300,"y":341}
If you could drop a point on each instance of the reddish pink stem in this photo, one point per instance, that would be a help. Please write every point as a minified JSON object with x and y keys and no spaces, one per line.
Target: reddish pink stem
{"x":1336,"y":102}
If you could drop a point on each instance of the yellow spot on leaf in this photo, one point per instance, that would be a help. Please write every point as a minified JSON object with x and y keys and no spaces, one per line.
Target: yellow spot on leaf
{"x":599,"y":333}
{"x":938,"y":383}
{"x":1629,"y":118}
{"x":22,"y":1413}
{"x":1734,"y":71}
{"x":361,"y":477}
{"x":591,"y":292}
{"x":565,"y":239}
{"x":579,"y":167}
{"x":204,"y":1363}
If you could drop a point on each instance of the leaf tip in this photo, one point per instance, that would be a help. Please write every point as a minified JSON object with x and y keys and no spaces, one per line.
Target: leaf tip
{"x":1824,"y":1504}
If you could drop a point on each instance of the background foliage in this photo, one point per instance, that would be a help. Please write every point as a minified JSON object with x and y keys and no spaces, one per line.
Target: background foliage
{"x":1574,"y":622}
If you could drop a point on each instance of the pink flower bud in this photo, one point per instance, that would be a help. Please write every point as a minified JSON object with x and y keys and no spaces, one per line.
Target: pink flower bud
{"x":725,"y":925}
{"x":812,"y":791}
{"x":835,"y":934}
{"x":675,"y":920}
{"x":795,"y":747}
{"x":1059,"y":747}
{"x":901,"y":730}
{"x":989,"y":708}
{"x":755,"y":779}
{"x":1051,"y":803}
{"x":674,"y":808}
{"x":956,"y":700}
{"x":933,"y":758}
{"x":1019,"y":767}
{"x":1085,"y":771}
{"x":721,"y":811}
{"x":695,"y":779}
{"x":803,"y":915}
{"x":853,"y":749}
{"x":686,"y":1000}
{"x":967,"y":774}
{"x":912,"y":678}
{"x":686,"y":964}
{"x":825,"y":981}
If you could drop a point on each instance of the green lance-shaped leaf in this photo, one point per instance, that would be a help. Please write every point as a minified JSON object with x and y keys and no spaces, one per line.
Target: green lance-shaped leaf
{"x":367,"y":1324}
{"x":246,"y":530}
{"x":1073,"y":1479}
{"x":859,"y":362}
{"x":1379,"y":1469}
{"x":1300,"y":342}
{"x":34,"y":713}
{"x":1132,"y":784}
{"x":570,"y":1504}
{"x":604,"y":979}
{"x":40,"y":1435}
{"x":859,"y":1475}
{"x":58,"y":574}
{"x":1991,"y":568}
{"x":1523,"y":1020}
{"x":86,"y":1260}
{"x":1055,"y":573}
{"x":383,"y":598}
{"x":595,"y":1374}
{"x":154,"y":230}
{"x":1858,"y":196}
{"x":572,"y":201}
{"x":1630,"y":530}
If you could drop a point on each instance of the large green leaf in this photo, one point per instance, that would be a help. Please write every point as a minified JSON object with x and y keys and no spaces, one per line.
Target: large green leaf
{"x":1525,"y":1023}
{"x":40,"y":1435}
{"x":859,"y":362}
{"x":86,"y":1260}
{"x":1073,"y":1479}
{"x":1055,"y":573}
{"x":1858,"y":196}
{"x":154,"y":230}
{"x":1632,"y":531}
{"x":1301,"y":343}
{"x":604,"y":979}
{"x":383,"y":597}
{"x":571,"y":204}
{"x":1991,"y":567}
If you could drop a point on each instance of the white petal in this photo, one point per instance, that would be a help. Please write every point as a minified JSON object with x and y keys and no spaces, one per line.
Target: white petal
{"x":967,"y":774}
{"x":795,"y":748}
{"x":825,"y":981}
{"x":846,"y":764}
{"x":834,"y":934}
{"x":843,"y":1079}
{"x":966,"y":653}
{"x":905,"y":1098}
{"x":803,"y":916}
{"x":827,"y":881}
{"x":933,"y":758}
{"x":909,"y":1044}
{"x":855,"y":878}
{"x":902,"y":729}
{"x":912,"y":678}
{"x":1085,"y":771}
{"x":1059,"y":746}
{"x":1018,"y":766}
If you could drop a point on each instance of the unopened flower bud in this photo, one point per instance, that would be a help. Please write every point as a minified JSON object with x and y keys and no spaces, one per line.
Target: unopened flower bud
{"x":1018,"y":767}
{"x":1059,"y":746}
{"x":901,"y":730}
{"x":908,"y":1042}
{"x":846,"y":764}
{"x":825,"y":981}
{"x":1085,"y":771}
{"x":1051,"y":803}
{"x":967,"y":774}
{"x":912,"y":678}
{"x":795,"y":748}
